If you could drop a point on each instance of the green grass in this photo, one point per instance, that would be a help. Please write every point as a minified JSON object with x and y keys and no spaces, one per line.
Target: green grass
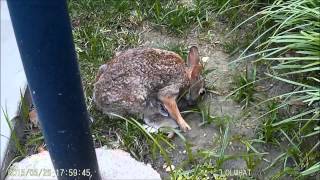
{"x":20,"y":151}
{"x":289,"y":40}
{"x":244,"y":87}
{"x":209,"y":162}
{"x":268,"y":132}
{"x":203,"y":171}
{"x":20,"y":148}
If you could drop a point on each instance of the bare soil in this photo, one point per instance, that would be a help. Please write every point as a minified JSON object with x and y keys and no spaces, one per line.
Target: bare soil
{"x":243,"y":126}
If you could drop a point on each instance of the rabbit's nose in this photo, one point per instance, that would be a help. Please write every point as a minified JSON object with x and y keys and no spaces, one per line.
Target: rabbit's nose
{"x":192,"y":102}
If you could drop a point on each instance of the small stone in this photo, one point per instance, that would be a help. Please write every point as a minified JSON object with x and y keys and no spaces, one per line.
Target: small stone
{"x":184,"y":151}
{"x":168,"y":168}
{"x":205,"y":59}
{"x":164,"y":165}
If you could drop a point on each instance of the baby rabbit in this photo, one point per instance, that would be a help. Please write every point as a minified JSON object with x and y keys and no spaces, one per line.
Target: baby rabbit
{"x":157,"y":117}
{"x":125,"y":84}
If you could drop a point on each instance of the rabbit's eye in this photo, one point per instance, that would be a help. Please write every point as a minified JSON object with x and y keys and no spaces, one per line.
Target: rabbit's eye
{"x":163,"y":111}
{"x":202,"y":91}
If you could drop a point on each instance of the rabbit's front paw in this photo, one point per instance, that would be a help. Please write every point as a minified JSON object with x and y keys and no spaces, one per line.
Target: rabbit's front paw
{"x":185,"y":126}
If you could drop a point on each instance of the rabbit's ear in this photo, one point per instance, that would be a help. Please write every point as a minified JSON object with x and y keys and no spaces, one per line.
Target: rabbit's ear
{"x":194,"y":63}
{"x":193,"y":57}
{"x":196,"y":71}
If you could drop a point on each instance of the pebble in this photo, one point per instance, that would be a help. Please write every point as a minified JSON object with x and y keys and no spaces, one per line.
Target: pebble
{"x":205,"y":59}
{"x":167,"y":168}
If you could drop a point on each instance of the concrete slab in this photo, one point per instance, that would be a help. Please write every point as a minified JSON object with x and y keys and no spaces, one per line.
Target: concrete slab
{"x":113,"y":164}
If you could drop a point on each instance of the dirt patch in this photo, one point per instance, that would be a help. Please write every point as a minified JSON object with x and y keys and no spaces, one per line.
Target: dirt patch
{"x":242,"y":126}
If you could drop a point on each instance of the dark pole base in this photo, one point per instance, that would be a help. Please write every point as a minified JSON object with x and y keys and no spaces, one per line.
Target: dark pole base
{"x":44,"y":38}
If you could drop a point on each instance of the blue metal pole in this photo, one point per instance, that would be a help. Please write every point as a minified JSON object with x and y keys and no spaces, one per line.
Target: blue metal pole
{"x":44,"y":38}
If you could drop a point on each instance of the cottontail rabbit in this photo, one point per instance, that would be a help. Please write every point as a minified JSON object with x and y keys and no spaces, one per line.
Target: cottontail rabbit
{"x":125,"y":84}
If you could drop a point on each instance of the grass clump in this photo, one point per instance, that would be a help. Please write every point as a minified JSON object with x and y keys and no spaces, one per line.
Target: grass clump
{"x":203,"y":171}
{"x":244,"y":87}
{"x":289,"y":40}
{"x":209,"y":162}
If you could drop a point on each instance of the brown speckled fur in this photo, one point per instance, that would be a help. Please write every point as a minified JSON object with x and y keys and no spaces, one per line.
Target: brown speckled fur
{"x":130,"y":78}
{"x":126,"y":84}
